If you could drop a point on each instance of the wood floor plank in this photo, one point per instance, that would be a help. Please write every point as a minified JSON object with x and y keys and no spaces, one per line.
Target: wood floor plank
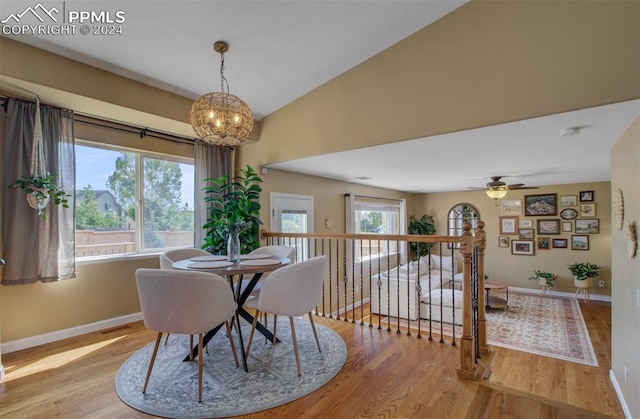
{"x":387,"y":375}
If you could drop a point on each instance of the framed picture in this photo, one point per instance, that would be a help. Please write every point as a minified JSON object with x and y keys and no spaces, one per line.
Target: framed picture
{"x":559,"y":243}
{"x":591,"y":226}
{"x":567,"y":227}
{"x":503,"y":241}
{"x":524,"y":223}
{"x":579,"y":242}
{"x":568,"y":214}
{"x":522,"y":247}
{"x":527,"y":234}
{"x":586,"y":196}
{"x":544,"y":243}
{"x":508,"y":225}
{"x":549,"y":226}
{"x":568,"y":200}
{"x":588,"y":210}
{"x":511,"y":207}
{"x":541,"y":204}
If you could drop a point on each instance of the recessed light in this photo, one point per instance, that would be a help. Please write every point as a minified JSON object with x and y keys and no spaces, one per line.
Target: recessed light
{"x":569,"y":131}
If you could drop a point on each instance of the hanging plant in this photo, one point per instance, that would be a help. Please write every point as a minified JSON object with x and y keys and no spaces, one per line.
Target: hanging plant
{"x":40,"y":191}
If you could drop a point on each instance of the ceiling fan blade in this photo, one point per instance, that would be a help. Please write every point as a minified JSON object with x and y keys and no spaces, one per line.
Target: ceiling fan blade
{"x":524,"y":187}
{"x":515,"y":185}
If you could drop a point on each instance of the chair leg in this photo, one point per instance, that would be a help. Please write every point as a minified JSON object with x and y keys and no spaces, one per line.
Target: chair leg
{"x":275,"y":325}
{"x":315,"y":334}
{"x":191,"y":348}
{"x":253,"y":329}
{"x":200,"y":369}
{"x":166,"y":339}
{"x":295,"y":344}
{"x":153,"y":359}
{"x":233,"y":346}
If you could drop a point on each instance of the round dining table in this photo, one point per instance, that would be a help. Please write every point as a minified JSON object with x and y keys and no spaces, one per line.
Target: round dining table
{"x":255,"y":265}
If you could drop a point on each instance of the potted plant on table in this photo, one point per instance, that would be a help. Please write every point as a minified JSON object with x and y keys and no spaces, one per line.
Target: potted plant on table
{"x":233,"y":213}
{"x":40,"y":190}
{"x":583,"y":274}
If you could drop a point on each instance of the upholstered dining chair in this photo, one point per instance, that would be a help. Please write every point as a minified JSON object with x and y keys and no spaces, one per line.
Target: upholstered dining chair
{"x":293,"y":291}
{"x":166,"y":261}
{"x":186,"y":302}
{"x":170,"y":256}
{"x":275,"y":250}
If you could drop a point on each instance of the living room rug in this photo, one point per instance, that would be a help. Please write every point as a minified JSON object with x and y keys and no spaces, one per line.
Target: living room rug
{"x":547,"y":326}
{"x":272,"y":379}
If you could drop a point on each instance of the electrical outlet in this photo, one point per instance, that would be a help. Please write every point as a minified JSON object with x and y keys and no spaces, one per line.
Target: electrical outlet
{"x":601,"y":283}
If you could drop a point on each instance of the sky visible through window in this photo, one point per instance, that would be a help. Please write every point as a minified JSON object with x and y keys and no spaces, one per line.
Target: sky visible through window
{"x":95,"y":165}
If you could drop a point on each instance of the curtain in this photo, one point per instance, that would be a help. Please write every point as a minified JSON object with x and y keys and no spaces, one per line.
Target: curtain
{"x":35,"y":248}
{"x":211,"y":162}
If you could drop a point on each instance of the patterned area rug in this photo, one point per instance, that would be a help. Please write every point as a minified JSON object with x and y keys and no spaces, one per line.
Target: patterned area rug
{"x":542,"y":325}
{"x":272,"y":379}
{"x":545,"y":326}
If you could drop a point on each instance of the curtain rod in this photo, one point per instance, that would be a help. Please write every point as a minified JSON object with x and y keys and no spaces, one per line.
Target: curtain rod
{"x":375,"y":197}
{"x":115,"y":125}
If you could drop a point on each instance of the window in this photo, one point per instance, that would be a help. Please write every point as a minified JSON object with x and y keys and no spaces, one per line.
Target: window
{"x":377,"y":216}
{"x":131,"y":202}
{"x":458,"y":215}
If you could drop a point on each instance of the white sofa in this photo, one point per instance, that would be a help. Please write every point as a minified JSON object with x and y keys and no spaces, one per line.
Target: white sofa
{"x":397,"y":294}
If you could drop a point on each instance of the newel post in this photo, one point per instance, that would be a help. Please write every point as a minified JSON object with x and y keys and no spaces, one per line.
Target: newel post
{"x":481,"y":242}
{"x":467,"y":367}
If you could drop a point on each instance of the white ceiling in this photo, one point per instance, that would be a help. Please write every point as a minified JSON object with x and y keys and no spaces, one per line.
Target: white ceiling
{"x":280,"y":50}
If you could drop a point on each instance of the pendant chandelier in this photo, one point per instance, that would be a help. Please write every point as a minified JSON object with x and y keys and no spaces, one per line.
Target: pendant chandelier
{"x":221,"y":118}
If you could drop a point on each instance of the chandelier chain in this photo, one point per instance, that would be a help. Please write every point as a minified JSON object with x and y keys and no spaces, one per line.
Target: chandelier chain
{"x":223,"y":80}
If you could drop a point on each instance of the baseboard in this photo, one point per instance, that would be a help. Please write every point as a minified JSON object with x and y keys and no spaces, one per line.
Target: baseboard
{"x":350,"y":307}
{"x":30,"y":342}
{"x":623,"y":403}
{"x":594,"y":297}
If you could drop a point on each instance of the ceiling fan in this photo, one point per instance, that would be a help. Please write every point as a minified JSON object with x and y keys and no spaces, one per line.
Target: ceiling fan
{"x":498,"y":189}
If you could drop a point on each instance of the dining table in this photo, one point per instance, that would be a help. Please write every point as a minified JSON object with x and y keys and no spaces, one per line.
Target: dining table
{"x":250,"y":264}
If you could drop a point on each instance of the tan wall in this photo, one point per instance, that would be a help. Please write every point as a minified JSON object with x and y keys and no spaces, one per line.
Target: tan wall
{"x":515,"y":270}
{"x":625,"y":316}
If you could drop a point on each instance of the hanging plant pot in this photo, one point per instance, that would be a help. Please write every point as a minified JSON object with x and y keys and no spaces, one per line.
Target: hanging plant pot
{"x":38,"y":199}
{"x":40,"y":191}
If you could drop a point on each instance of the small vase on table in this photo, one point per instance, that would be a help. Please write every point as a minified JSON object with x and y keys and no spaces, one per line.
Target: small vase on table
{"x":233,"y":247}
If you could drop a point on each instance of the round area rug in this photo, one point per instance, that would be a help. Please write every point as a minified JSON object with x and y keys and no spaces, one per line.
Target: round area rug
{"x":228,"y":390}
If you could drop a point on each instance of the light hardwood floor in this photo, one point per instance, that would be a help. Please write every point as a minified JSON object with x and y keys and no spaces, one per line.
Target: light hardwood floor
{"x":387,"y":375}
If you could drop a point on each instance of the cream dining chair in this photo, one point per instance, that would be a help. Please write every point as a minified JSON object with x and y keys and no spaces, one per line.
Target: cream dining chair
{"x":292,"y":291}
{"x":184,"y":302}
{"x":166,"y":262}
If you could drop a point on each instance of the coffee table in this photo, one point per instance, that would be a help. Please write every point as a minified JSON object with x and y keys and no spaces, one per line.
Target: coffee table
{"x":496,"y":302}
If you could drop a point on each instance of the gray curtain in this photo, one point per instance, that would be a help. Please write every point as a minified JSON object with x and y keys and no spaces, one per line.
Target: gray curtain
{"x":211,"y":162}
{"x":36,"y":249}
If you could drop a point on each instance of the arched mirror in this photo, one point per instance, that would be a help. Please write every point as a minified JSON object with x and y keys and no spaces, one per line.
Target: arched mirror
{"x":460,"y":214}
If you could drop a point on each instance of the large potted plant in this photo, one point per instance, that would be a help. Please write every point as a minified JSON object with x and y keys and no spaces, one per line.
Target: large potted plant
{"x":233,"y":214}
{"x":583,"y":274}
{"x":40,"y":190}
{"x":421,"y":226}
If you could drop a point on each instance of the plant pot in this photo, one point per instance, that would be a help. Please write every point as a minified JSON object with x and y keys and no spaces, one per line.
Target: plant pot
{"x":584,"y":283}
{"x":542,"y":282}
{"x":38,"y":201}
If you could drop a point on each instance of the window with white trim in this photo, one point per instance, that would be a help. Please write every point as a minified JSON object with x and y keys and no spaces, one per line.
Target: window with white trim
{"x":375,"y":216}
{"x":131,"y":202}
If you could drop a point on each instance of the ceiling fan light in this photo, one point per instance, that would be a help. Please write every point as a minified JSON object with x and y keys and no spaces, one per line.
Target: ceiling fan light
{"x":497,"y":193}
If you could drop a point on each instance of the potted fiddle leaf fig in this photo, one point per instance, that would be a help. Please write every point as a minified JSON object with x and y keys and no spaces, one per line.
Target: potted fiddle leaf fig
{"x":234,"y":208}
{"x":40,"y":191}
{"x":583,"y":273}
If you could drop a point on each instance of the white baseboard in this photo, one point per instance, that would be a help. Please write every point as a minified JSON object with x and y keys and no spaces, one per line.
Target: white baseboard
{"x":623,"y":403}
{"x":30,"y":342}
{"x":349,"y":307}
{"x":595,"y":297}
